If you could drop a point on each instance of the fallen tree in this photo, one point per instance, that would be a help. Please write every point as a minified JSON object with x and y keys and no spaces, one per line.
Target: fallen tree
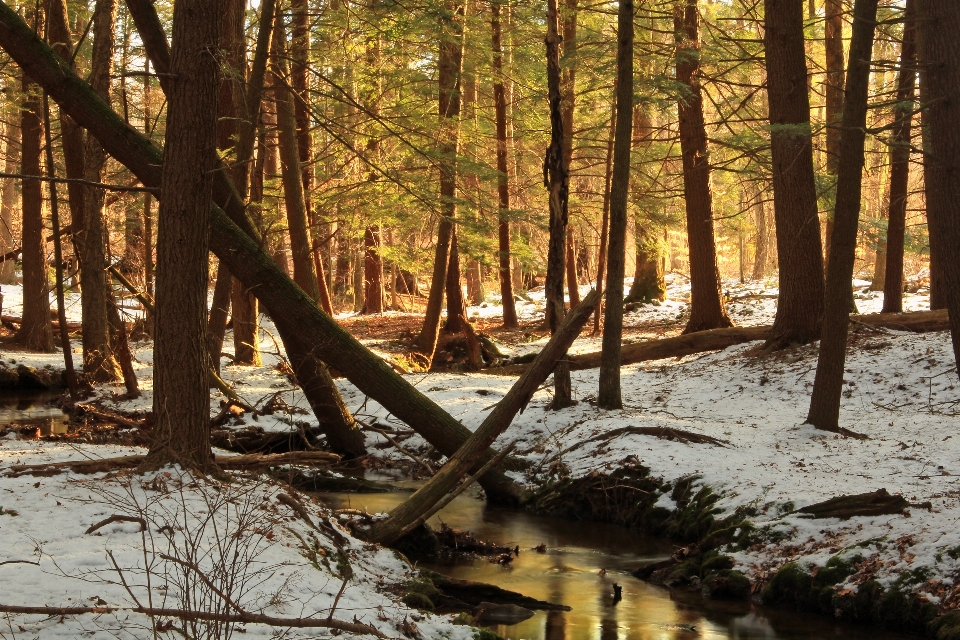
{"x":717,"y":339}
{"x":303,"y":327}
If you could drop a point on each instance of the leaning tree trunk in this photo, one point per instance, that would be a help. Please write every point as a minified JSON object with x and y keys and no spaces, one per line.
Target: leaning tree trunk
{"x":181,"y":397}
{"x":900,"y":166}
{"x":503,"y":173}
{"x":799,"y":255}
{"x":568,"y":65}
{"x":608,"y":395}
{"x":833,"y":91}
{"x":557,"y":181}
{"x":234,"y":239}
{"x":449,"y":67}
{"x":706,"y":303}
{"x":36,"y":331}
{"x":939,"y":55}
{"x":99,"y":363}
{"x":828,"y":384}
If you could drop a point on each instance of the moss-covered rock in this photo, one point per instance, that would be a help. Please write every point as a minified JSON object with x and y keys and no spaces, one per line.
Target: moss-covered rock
{"x":684,"y":573}
{"x":486,"y":634}
{"x":946,"y":627}
{"x":417,"y":601}
{"x":726,"y":584}
{"x":791,"y":586}
{"x":714,"y":562}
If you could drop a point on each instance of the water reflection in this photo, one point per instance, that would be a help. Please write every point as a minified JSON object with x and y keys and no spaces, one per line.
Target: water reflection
{"x":569,"y":572}
{"x":33,"y":411}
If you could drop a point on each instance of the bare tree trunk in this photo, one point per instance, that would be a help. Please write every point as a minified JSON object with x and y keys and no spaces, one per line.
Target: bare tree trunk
{"x":557,"y":181}
{"x":455,"y":306}
{"x":833,"y":89}
{"x":99,"y":363}
{"x":181,"y":398}
{"x":900,"y":166}
{"x":939,"y":55}
{"x":219,"y":312}
{"x":828,"y":384}
{"x":761,"y":257}
{"x":605,"y":217}
{"x":608,"y":395}
{"x":503,"y":172}
{"x":648,"y":282}
{"x":372,"y":270}
{"x":799,"y":255}
{"x":372,"y":235}
{"x":36,"y":332}
{"x":304,"y":267}
{"x":450,"y":65}
{"x":8,"y":199}
{"x":568,"y":64}
{"x":706,"y":304}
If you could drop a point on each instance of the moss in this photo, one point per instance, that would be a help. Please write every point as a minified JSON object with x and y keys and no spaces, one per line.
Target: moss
{"x":726,"y":584}
{"x":684,"y":572}
{"x":946,"y":627}
{"x":954,"y":552}
{"x":791,"y":586}
{"x":486,"y":634}
{"x":423,"y":586}
{"x":715,"y":562}
{"x":837,"y":569}
{"x":417,"y":601}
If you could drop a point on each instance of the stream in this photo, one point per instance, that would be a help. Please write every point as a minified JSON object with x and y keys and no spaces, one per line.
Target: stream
{"x":35,"y":414}
{"x":569,"y":572}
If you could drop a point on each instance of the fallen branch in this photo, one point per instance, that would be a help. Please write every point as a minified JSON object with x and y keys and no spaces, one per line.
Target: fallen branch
{"x":203,"y":616}
{"x":116,"y":518}
{"x":717,"y":339}
{"x":664,"y":433}
{"x":227,"y":463}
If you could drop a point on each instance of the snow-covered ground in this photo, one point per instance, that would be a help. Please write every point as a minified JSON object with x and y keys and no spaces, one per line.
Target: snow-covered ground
{"x":901,"y":391}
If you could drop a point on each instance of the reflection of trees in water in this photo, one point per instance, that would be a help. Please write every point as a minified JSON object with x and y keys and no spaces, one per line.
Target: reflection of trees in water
{"x":556,"y":620}
{"x":556,"y":628}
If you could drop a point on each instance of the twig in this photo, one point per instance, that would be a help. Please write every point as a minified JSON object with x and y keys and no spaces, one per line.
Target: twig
{"x":399,"y":447}
{"x":116,"y":518}
{"x":99,"y":185}
{"x":37,"y":563}
{"x":206,"y":581}
{"x":123,"y":580}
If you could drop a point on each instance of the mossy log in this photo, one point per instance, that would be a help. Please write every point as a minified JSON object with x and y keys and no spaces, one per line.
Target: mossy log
{"x":876,"y":503}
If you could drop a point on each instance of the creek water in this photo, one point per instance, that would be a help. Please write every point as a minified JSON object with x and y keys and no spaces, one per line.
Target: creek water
{"x":34,"y":414}
{"x":582,"y":562}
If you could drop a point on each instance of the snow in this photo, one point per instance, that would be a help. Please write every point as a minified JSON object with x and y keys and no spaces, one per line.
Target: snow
{"x":901,"y":391}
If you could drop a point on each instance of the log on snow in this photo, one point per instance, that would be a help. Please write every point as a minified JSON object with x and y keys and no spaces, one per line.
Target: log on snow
{"x":718,"y":339}
{"x":234,"y":240}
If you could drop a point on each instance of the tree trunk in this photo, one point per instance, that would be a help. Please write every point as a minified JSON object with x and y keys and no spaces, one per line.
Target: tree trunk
{"x":557,"y":181}
{"x":372,"y":237}
{"x":449,"y":68}
{"x":235,"y":241}
{"x":503,"y":173}
{"x":608,"y":395}
{"x":8,"y":198}
{"x":605,"y":216}
{"x":939,"y":55}
{"x":181,"y":397}
{"x":761,"y":255}
{"x":99,"y":363}
{"x":219,"y":312}
{"x":828,"y":384}
{"x":706,"y":304}
{"x":304,"y":267}
{"x":568,"y":65}
{"x":648,"y":283}
{"x":455,"y":306}
{"x":900,"y":166}
{"x":799,"y":255}
{"x":372,"y":271}
{"x":833,"y":89}
{"x":36,"y":332}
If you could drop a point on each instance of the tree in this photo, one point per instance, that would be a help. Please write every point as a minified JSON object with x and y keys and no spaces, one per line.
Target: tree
{"x":8,"y":196}
{"x":449,"y":68}
{"x":568,"y":64}
{"x":833,"y":91}
{"x":800,"y":257}
{"x":608,"y":396}
{"x":181,"y":398}
{"x":900,"y":166}
{"x":706,"y":304}
{"x":648,"y":283}
{"x":98,"y":360}
{"x":939,"y":56}
{"x":556,"y":178}
{"x":503,"y":172}
{"x":35,"y":332}
{"x":828,"y":384}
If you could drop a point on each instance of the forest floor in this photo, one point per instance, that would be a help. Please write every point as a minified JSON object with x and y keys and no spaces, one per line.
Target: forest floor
{"x":901,"y":391}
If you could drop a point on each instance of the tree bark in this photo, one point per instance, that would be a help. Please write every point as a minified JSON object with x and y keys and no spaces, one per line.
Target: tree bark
{"x":605,"y":216}
{"x":833,"y":90}
{"x":36,"y":332}
{"x":99,"y":363}
{"x":828,"y":384}
{"x":799,"y":254}
{"x":181,"y":399}
{"x":568,"y":65}
{"x":449,"y":68}
{"x":372,"y":237}
{"x":219,"y":312}
{"x":939,"y":55}
{"x":608,"y":395}
{"x":8,"y":197}
{"x":761,"y":254}
{"x":503,"y":173}
{"x":706,"y":304}
{"x":235,"y":241}
{"x":900,"y":166}
{"x":556,"y":179}
{"x":648,"y":283}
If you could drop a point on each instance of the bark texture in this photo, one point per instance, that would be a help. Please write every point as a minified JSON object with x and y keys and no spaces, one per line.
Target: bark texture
{"x":833,"y":90}
{"x":799,"y":254}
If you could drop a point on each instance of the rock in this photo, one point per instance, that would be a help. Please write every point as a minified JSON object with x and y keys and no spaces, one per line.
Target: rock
{"x":9,"y":379}
{"x":502,"y":613}
{"x":31,"y":378}
{"x":727,"y":584}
